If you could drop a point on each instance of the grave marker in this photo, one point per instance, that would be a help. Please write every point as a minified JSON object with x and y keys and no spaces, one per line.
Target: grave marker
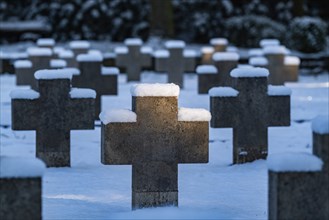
{"x":24,"y":73}
{"x":298,"y":188}
{"x":46,"y":42}
{"x":79,"y":47}
{"x":219,"y":44}
{"x":21,"y":188}
{"x":154,"y":138}
{"x":104,"y":80}
{"x":218,"y":74}
{"x":172,"y":61}
{"x":249,"y":108}
{"x":134,"y":58}
{"x":40,"y":57}
{"x":53,"y":112}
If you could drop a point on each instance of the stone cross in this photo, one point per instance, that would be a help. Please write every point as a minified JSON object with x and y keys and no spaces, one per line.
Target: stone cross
{"x":206,"y":55}
{"x":79,"y":47}
{"x":297,"y":187}
{"x":218,"y":74}
{"x":249,"y":108}
{"x":40,"y":57}
{"x":219,"y":44}
{"x":282,"y":68}
{"x":21,"y":188}
{"x":104,"y":80}
{"x":154,"y":138}
{"x":53,"y":112}
{"x":24,"y":73}
{"x":134,"y":58}
{"x":172,"y":62}
{"x":46,"y":42}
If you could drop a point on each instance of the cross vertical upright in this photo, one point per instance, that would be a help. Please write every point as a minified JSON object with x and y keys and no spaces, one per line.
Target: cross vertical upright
{"x":250,"y":108}
{"x":104,"y":80}
{"x":154,"y":138}
{"x":134,"y":59}
{"x":53,"y":112}
{"x":173,"y":63}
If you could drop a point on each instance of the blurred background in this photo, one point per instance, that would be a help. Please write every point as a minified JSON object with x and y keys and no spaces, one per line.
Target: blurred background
{"x":301,"y":25}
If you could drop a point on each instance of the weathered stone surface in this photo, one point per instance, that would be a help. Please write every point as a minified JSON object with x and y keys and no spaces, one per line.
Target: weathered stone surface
{"x":91,"y":77}
{"x":20,"y":198}
{"x":175,"y":65}
{"x":250,"y":113}
{"x":321,"y":149}
{"x":154,"y":145}
{"x":25,"y":76}
{"x":224,"y":68}
{"x":134,"y":61}
{"x":298,"y":195}
{"x":53,"y":115}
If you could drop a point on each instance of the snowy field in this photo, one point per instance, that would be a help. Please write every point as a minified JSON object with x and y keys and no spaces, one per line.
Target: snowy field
{"x":217,"y":190}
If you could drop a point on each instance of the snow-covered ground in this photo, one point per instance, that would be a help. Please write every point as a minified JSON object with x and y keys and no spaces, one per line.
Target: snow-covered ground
{"x":217,"y":190}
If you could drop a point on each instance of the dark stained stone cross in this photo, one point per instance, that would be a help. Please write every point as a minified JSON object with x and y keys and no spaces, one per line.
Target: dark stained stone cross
{"x":154,"y":138}
{"x":282,"y":68}
{"x":218,"y":74}
{"x":24,"y":73}
{"x":53,"y":112}
{"x":172,"y":62}
{"x":104,"y":80}
{"x":134,"y":59}
{"x":250,"y":108}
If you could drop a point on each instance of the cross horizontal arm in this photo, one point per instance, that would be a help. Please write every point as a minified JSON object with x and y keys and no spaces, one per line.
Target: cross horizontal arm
{"x":193,"y":141}
{"x":24,"y":114}
{"x":279,"y":111}
{"x":223,"y":111}
{"x":81,"y":113}
{"x":118,"y":143}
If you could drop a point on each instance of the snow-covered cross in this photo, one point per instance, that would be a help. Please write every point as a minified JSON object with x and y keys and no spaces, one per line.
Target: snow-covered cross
{"x":104,"y":80}
{"x":79,"y":47}
{"x":218,"y":74}
{"x":53,"y":112}
{"x":154,"y":138}
{"x":173,"y":61}
{"x":133,"y":58}
{"x":40,"y":57}
{"x":298,"y":182}
{"x":24,"y":73}
{"x":250,"y":108}
{"x":282,"y":68}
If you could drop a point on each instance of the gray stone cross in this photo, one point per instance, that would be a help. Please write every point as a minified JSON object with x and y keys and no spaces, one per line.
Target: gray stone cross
{"x":298,"y":182}
{"x":249,"y":108}
{"x":104,"y":80}
{"x":282,"y":68}
{"x":161,"y":137}
{"x":218,"y":74}
{"x":134,"y":59}
{"x":174,"y":63}
{"x":53,"y":112}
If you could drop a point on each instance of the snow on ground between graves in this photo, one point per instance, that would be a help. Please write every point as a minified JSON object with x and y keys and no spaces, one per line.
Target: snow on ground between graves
{"x":90,"y":190}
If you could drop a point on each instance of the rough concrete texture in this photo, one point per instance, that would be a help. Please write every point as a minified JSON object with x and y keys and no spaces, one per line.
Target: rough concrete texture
{"x":298,"y":195}
{"x":91,"y":77}
{"x":20,"y":198}
{"x":222,"y":78}
{"x":154,"y":145}
{"x":53,"y":115}
{"x":174,"y":65}
{"x":25,"y":76}
{"x":40,"y":62}
{"x":250,"y":114}
{"x":321,"y":149}
{"x":133,"y":62}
